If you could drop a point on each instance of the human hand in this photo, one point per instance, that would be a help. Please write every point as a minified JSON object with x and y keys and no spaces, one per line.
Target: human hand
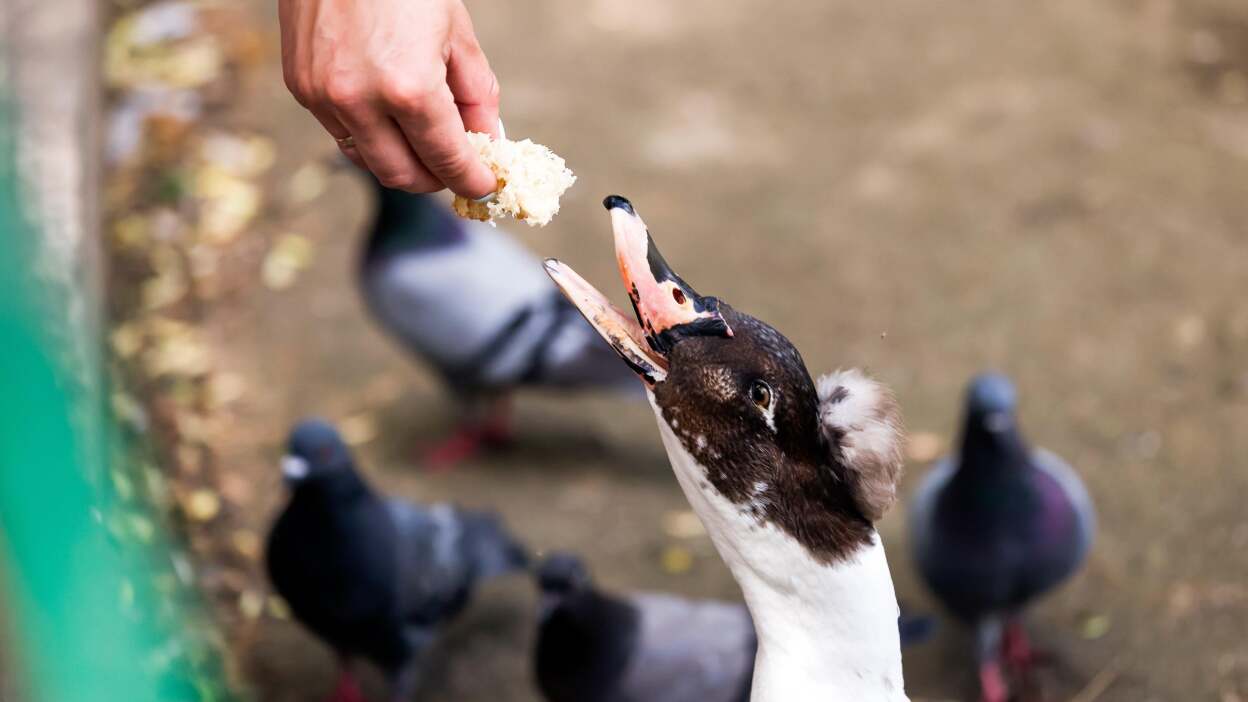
{"x":396,"y":83}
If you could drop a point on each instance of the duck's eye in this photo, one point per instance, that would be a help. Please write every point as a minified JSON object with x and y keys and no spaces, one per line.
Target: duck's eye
{"x":760,"y":394}
{"x":678,"y":295}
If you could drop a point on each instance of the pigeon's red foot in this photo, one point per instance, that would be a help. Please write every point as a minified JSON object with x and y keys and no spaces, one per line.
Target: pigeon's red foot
{"x":472,"y":438}
{"x":466,"y":442}
{"x":1019,"y":654}
{"x":347,"y":689}
{"x":992,"y":687}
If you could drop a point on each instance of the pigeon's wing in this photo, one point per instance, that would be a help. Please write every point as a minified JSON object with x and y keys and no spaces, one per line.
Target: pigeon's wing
{"x":463,"y":306}
{"x":1073,"y":487}
{"x":570,"y":354}
{"x":690,"y":651}
{"x":1062,"y":535}
{"x":923,"y":505}
{"x":965,"y":572}
{"x":433,"y":571}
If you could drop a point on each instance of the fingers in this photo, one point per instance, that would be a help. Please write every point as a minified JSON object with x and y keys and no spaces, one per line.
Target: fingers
{"x":380,"y":144}
{"x":339,"y":132}
{"x":431,"y":123}
{"x":472,"y":83}
{"x":383,"y":150}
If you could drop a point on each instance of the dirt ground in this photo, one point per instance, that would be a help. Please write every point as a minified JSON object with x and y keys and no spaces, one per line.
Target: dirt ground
{"x":1058,"y":190}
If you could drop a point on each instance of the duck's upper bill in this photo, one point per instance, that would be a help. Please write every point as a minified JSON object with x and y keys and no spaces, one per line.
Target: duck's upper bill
{"x":667,"y":308}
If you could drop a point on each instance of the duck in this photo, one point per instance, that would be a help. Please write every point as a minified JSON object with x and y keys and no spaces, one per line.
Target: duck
{"x":996,"y":526}
{"x":789,"y":475}
{"x":375,"y":577}
{"x":474,"y":304}
{"x":597,"y":646}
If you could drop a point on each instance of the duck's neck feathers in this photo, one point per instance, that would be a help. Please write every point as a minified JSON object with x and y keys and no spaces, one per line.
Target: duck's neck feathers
{"x":827,"y":631}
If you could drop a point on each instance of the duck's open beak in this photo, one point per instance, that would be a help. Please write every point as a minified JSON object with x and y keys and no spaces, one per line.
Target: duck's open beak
{"x":666,"y":306}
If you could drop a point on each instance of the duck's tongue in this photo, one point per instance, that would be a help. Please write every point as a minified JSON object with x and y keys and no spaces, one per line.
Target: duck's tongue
{"x":666,"y":306}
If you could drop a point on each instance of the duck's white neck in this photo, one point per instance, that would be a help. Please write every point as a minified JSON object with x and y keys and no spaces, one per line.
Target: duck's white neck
{"x":825,"y":632}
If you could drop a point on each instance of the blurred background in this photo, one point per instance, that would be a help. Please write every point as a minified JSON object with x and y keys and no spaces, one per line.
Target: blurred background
{"x":1057,"y":190}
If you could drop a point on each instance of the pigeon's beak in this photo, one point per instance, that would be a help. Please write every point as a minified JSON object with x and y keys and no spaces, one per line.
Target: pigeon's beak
{"x":294,"y":468}
{"x":667,"y":308}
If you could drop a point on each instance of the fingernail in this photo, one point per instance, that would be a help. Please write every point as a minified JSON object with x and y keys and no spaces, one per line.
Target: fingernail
{"x":502,"y":133}
{"x":486,"y":199}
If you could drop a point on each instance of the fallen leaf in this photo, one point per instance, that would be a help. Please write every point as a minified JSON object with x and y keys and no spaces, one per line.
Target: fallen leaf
{"x":676,"y":560}
{"x":203,"y":505}
{"x":178,"y":355}
{"x":359,"y":428}
{"x":246,"y":156}
{"x":278,"y":609}
{"x":224,"y":388}
{"x":237,"y":488}
{"x":227,"y":204}
{"x":290,"y":254}
{"x":247,"y":543}
{"x":126,"y":339}
{"x":1094,"y":626}
{"x":683,"y":524}
{"x":307,"y":183}
{"x":250,"y":604}
{"x":924,"y":446}
{"x":131,"y":231}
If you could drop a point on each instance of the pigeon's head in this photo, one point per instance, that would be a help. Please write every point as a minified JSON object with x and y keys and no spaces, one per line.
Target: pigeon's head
{"x":990,"y":403}
{"x":315,"y":450}
{"x":744,"y":419}
{"x":563,"y":573}
{"x":493,"y":550}
{"x":559,"y":576}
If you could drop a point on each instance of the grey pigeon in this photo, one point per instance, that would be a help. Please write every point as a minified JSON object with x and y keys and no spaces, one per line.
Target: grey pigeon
{"x":478,"y":307}
{"x":996,"y":526}
{"x":597,"y":647}
{"x":375,"y":577}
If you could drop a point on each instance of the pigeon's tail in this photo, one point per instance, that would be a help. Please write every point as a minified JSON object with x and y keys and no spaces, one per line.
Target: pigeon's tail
{"x":492,"y":549}
{"x":915,"y":628}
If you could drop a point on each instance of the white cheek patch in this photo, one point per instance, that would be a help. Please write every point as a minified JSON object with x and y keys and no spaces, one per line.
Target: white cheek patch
{"x":769,"y":412}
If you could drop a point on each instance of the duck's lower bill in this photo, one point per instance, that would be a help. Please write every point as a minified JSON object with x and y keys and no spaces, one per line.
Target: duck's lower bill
{"x":667,"y":308}
{"x":622,"y":333}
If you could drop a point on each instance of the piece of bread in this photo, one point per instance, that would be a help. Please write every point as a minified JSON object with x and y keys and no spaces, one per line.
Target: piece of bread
{"x":531,"y":179}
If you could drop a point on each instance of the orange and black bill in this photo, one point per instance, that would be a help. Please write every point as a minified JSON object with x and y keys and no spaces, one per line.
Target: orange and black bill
{"x":667,"y":308}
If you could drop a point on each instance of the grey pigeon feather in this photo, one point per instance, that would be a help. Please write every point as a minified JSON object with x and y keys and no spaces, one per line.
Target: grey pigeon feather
{"x":475,"y":304}
{"x":600,"y":647}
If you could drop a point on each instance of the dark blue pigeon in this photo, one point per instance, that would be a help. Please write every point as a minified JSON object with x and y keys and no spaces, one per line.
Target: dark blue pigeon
{"x":375,"y":577}
{"x":646,"y":647}
{"x":996,"y":526}
{"x":480,"y":309}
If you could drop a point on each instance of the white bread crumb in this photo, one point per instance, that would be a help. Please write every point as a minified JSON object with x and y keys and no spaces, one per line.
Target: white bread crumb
{"x":531,"y":179}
